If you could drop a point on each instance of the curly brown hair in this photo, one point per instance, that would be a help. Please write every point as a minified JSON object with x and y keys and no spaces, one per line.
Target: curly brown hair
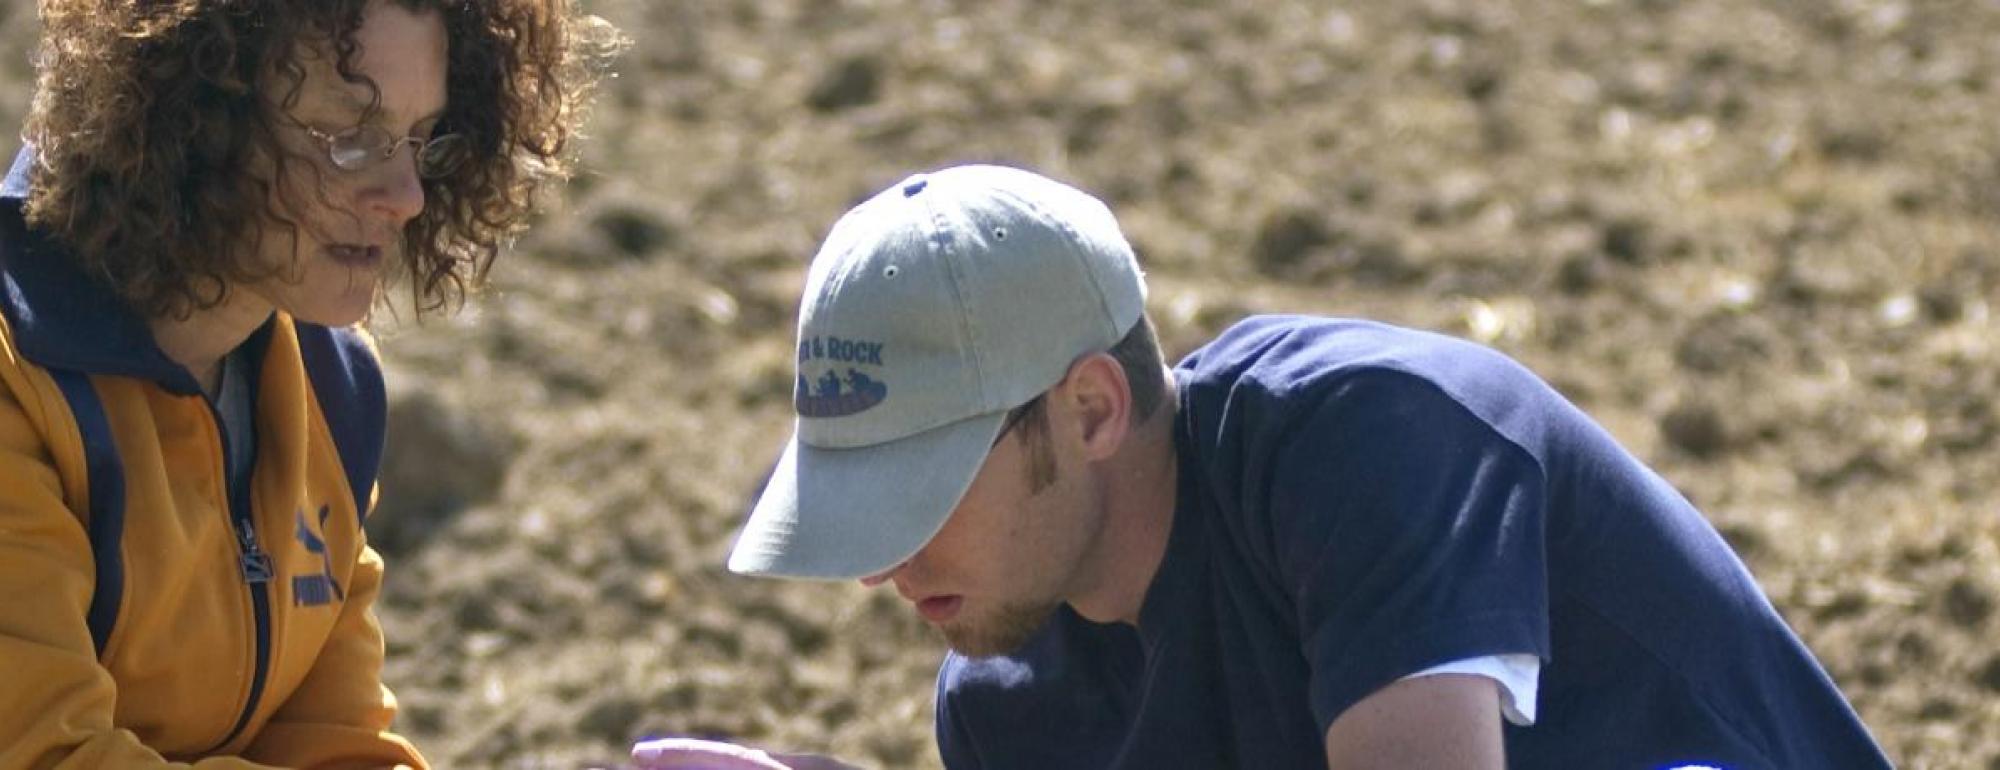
{"x":147,"y":114}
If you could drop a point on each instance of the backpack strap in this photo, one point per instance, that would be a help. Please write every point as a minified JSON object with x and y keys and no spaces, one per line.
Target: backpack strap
{"x":106,"y":525}
{"x":347,"y":381}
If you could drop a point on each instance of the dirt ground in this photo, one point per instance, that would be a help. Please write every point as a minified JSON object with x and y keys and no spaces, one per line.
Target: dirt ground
{"x":1756,"y":240}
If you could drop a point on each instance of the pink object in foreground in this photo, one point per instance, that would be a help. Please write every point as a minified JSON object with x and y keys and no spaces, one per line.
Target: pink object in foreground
{"x":698,"y":754}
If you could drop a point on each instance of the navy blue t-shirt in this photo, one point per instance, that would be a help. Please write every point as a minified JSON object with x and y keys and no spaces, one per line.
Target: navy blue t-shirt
{"x":1360,"y":502}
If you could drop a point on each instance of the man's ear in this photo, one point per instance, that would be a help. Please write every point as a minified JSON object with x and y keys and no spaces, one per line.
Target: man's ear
{"x":1101,"y":399}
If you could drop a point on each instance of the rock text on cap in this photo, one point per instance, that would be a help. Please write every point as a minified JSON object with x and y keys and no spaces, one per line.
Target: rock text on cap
{"x":837,"y":349}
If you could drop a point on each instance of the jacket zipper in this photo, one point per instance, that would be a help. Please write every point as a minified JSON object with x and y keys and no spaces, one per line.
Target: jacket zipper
{"x":255,"y":566}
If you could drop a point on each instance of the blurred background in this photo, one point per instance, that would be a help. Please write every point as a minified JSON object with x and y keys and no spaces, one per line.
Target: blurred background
{"x":1756,"y":240}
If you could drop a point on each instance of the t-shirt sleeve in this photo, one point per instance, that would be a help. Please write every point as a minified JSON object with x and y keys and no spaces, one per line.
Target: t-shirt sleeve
{"x":1518,"y":676}
{"x":1409,"y":531}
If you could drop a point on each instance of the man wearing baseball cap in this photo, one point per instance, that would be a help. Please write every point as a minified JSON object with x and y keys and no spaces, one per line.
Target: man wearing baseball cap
{"x":1313,"y":543}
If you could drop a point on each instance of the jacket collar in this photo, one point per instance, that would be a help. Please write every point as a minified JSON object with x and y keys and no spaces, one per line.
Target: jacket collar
{"x":61,"y":317}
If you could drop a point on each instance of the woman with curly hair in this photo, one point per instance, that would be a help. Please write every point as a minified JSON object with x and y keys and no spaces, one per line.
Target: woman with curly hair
{"x":212,"y":194}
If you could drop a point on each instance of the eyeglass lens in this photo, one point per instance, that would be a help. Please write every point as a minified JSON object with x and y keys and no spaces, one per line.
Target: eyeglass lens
{"x":363,"y":147}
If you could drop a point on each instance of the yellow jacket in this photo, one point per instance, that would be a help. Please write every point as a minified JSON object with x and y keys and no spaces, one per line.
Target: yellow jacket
{"x":135,"y":629}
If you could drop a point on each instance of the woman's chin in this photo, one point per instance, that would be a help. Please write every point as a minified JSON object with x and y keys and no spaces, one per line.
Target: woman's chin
{"x":341,"y":312}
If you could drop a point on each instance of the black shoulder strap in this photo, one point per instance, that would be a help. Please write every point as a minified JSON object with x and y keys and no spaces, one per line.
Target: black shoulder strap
{"x":347,"y":381}
{"x":106,"y":525}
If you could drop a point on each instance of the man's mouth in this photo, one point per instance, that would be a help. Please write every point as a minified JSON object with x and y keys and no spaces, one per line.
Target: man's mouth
{"x":938,"y":609}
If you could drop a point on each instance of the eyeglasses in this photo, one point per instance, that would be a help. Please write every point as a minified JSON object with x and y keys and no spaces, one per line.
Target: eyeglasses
{"x":363,"y":147}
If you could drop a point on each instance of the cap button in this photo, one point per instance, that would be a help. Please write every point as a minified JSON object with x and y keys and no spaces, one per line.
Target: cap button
{"x":915,"y":186}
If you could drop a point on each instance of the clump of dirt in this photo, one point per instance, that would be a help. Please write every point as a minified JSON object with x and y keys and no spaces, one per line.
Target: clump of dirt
{"x":1755,"y":240}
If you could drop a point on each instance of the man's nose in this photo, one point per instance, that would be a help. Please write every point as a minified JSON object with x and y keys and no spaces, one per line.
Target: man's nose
{"x":879,"y":578}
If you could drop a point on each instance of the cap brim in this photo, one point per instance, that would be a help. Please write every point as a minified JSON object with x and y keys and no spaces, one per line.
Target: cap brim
{"x":838,"y":514}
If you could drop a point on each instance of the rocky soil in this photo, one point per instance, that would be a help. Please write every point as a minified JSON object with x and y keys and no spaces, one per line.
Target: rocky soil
{"x":1756,"y":240}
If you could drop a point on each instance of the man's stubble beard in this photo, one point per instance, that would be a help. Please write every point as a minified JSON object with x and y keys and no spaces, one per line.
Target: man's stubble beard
{"x":1011,"y":625}
{"x":1002,"y":632}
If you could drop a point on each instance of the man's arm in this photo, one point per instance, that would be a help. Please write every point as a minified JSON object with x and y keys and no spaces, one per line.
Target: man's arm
{"x":1409,"y":533}
{"x":1444,"y":721}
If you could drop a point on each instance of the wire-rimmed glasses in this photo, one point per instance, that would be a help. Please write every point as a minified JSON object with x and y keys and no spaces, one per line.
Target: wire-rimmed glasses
{"x":362,"y":147}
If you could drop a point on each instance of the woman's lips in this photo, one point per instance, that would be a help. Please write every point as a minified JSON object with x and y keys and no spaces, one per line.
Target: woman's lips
{"x":939,"y":609}
{"x":355,"y":255}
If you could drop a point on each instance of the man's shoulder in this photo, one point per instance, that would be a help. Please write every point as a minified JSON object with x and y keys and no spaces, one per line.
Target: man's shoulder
{"x":1288,"y":353}
{"x":1281,"y":367}
{"x":1350,"y":388}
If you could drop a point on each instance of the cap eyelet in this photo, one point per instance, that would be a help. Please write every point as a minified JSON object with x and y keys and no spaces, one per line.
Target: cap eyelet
{"x":999,"y":233}
{"x":891,"y":271}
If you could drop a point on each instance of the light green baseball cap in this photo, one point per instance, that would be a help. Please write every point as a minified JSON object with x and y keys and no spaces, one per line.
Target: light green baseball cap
{"x":932,"y":309}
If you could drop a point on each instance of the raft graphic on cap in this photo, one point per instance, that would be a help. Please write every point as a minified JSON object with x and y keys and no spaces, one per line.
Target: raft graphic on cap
{"x":842,"y":388}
